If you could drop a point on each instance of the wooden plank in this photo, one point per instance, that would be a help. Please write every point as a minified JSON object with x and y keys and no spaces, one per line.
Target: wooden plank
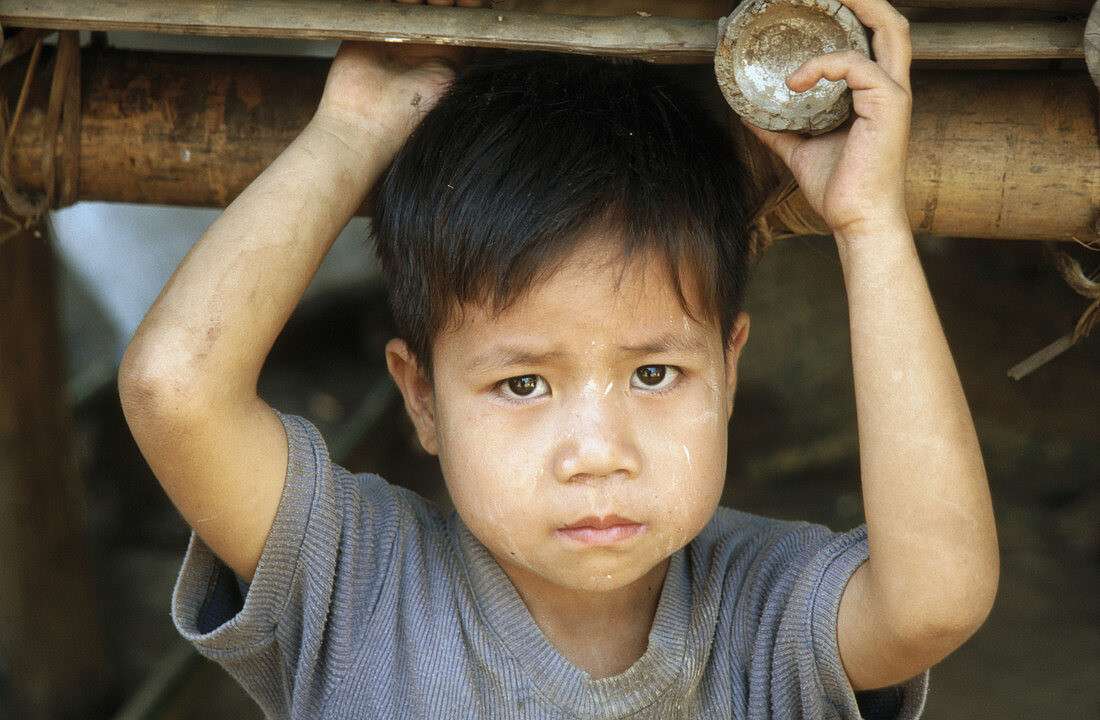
{"x":605,"y":8}
{"x":653,"y":38}
{"x":661,"y":39}
{"x":1074,"y":7}
{"x":998,"y":41}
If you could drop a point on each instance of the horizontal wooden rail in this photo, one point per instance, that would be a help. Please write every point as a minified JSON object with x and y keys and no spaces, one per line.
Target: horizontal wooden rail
{"x":1078,"y":7}
{"x":998,"y":41}
{"x":660,"y":39}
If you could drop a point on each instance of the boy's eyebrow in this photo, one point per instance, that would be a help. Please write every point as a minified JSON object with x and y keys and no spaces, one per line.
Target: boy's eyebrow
{"x":511,"y":356}
{"x":667,"y":342}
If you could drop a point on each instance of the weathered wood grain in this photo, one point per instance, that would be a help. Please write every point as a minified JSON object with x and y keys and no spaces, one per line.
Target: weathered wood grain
{"x":1075,"y":7}
{"x":997,"y":40}
{"x":655,"y":38}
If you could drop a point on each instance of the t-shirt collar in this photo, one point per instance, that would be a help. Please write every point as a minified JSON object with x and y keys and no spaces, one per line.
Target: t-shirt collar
{"x":504,"y":612}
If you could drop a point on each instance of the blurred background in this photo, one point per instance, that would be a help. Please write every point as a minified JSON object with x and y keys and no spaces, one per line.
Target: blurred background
{"x":793,"y":444}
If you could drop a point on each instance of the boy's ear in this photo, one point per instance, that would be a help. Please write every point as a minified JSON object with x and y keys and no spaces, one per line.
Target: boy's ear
{"x":739,"y":333}
{"x":416,"y":389}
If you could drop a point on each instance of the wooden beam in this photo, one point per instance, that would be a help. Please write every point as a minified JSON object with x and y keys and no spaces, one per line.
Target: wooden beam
{"x":50,"y":634}
{"x":998,"y":41}
{"x":661,"y":39}
{"x":1072,"y":7}
{"x":668,"y":39}
{"x":993,"y":154}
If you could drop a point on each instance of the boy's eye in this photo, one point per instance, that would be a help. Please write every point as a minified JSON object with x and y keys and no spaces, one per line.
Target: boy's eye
{"x":525,"y":386}
{"x":654,"y":377}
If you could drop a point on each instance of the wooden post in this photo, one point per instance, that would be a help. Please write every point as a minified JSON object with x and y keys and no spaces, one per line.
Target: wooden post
{"x":51,"y":641}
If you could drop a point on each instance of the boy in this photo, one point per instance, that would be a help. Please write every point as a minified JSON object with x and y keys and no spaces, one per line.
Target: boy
{"x":565,"y":254}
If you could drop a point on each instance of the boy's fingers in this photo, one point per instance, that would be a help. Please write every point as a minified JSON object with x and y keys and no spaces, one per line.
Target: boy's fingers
{"x":453,"y":57}
{"x":859,"y":72}
{"x":890,"y":36}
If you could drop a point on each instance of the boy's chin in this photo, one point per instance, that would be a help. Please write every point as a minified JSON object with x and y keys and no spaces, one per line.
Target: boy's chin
{"x":597,"y":578}
{"x":613,"y":582}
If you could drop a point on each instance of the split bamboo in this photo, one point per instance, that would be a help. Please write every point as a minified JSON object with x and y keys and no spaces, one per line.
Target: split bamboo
{"x":992,"y":155}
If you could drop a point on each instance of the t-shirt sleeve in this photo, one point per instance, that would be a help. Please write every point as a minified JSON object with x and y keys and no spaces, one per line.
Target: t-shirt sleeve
{"x":290,"y":634}
{"x":795,"y":669}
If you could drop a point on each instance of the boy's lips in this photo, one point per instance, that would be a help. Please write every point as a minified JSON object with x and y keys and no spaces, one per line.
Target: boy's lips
{"x":601,"y":530}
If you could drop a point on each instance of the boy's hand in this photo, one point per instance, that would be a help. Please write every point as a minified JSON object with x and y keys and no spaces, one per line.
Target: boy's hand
{"x":855,"y":178}
{"x":933,"y":567}
{"x":378,"y":92}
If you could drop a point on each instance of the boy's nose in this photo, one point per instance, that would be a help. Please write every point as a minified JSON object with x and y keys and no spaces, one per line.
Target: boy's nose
{"x":596,"y":442}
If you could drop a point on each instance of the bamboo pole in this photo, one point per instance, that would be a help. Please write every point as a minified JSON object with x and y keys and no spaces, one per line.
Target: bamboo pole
{"x":1001,"y":155}
{"x":993,"y":154}
{"x":661,"y":39}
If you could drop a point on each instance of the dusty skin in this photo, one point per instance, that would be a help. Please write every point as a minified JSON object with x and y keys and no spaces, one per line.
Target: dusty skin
{"x":620,"y":420}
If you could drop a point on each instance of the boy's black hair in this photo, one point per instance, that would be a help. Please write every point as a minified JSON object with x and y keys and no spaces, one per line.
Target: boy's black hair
{"x":529,"y":152}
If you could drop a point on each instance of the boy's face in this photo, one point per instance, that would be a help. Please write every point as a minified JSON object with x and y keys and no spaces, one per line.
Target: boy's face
{"x":582,"y":432}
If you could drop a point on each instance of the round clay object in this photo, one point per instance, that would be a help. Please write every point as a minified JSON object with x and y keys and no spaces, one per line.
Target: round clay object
{"x":763,"y":41}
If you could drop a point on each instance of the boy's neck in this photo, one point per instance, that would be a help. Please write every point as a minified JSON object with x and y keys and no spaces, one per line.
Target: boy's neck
{"x":601,"y":633}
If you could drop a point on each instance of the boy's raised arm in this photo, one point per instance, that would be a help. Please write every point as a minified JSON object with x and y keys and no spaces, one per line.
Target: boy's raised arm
{"x":188,"y":378}
{"x":933,"y":567}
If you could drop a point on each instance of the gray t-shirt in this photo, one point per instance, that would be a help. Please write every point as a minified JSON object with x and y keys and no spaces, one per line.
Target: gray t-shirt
{"x":370,"y":602}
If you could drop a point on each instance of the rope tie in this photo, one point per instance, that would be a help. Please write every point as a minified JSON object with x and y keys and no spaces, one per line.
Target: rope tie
{"x":778,"y":216}
{"x":61,"y":131}
{"x":779,"y":207}
{"x":1082,"y":284}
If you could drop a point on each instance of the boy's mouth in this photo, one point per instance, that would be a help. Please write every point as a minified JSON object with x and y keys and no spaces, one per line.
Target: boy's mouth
{"x":601,"y":530}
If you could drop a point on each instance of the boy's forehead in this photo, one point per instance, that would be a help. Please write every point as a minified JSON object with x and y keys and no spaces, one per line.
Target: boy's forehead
{"x":594,"y":285}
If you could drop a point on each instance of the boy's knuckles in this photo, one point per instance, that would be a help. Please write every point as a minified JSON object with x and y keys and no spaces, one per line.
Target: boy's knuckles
{"x":896,"y":95}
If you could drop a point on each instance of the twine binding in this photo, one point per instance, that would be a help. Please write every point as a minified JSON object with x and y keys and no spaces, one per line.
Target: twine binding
{"x":61,"y":133}
{"x":1084,"y":285}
